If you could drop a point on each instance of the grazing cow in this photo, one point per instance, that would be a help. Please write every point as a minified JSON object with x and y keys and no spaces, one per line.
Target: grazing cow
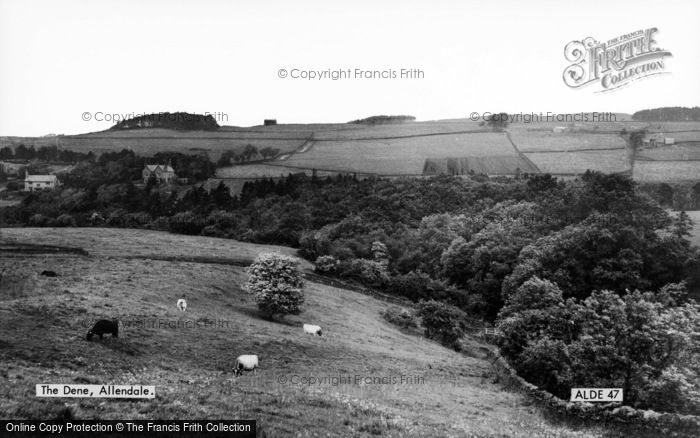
{"x":104,"y":326}
{"x":182,"y":304}
{"x":49,"y":274}
{"x":311,"y":329}
{"x":245,"y":362}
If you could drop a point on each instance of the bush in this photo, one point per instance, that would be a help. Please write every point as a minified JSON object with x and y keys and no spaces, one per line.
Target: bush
{"x":136,"y":220}
{"x":161,"y":223}
{"x":326,"y":265}
{"x":65,"y":220}
{"x":414,"y":285}
{"x":116,"y":217}
{"x":400,"y":317}
{"x":213,"y":231}
{"x":187,"y":223}
{"x":40,"y":220}
{"x":368,"y":272}
{"x":277,"y":284}
{"x":442,"y":322}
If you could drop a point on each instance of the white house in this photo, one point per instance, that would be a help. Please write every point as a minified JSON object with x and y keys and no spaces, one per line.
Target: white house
{"x":39,"y":182}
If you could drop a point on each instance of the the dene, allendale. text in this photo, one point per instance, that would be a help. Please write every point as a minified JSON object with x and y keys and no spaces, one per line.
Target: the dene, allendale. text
{"x":106,"y":391}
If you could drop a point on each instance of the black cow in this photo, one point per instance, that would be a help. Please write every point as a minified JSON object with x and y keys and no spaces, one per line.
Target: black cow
{"x":104,"y":326}
{"x":49,"y":274}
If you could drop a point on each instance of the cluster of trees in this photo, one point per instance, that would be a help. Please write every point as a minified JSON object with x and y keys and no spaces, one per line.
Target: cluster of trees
{"x":487,"y":246}
{"x":678,"y":196}
{"x":668,"y":114}
{"x":497,"y":121}
{"x":643,"y":342}
{"x":247,"y":153}
{"x":383,"y":120}
{"x":180,"y":121}
{"x":44,"y":153}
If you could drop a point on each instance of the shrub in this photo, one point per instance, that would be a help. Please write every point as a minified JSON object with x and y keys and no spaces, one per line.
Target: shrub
{"x":222,"y":219}
{"x":442,"y":322}
{"x":65,"y":220}
{"x":136,"y":220}
{"x":116,"y":217}
{"x":400,"y":317}
{"x":414,"y":285}
{"x":277,"y":284}
{"x":326,"y":264}
{"x":187,"y":223}
{"x":40,"y":220}
{"x":161,"y":223}
{"x":213,"y":231}
{"x":367,"y":272}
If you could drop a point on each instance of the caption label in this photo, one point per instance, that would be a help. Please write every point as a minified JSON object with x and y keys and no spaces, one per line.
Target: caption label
{"x":596,"y":394}
{"x":95,"y":391}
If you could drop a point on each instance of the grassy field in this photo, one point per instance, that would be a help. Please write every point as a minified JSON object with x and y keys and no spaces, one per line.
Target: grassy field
{"x":546,"y":141}
{"x":687,"y":151}
{"x":404,"y":156}
{"x":404,"y":149}
{"x":609,"y":161}
{"x":43,"y":322}
{"x":666,"y":171}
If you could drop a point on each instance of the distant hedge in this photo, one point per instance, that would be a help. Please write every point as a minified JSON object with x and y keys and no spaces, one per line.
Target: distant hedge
{"x":381,"y":120}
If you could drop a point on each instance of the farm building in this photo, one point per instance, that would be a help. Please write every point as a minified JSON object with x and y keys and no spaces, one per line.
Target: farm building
{"x":39,"y":182}
{"x":270,"y":122}
{"x":164,"y":174}
{"x":658,"y":140}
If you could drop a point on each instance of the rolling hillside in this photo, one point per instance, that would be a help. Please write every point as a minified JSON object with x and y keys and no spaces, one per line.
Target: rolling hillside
{"x":137,"y":276}
{"x":414,"y":148}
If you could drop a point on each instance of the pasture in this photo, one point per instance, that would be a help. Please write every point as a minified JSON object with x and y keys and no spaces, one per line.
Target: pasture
{"x":409,"y":148}
{"x":137,"y":277}
{"x":547,"y":141}
{"x":398,"y":156}
{"x":666,"y":171}
{"x":608,"y":161}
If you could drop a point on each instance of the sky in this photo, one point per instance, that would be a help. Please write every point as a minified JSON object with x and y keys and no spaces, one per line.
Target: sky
{"x":62,"y":59}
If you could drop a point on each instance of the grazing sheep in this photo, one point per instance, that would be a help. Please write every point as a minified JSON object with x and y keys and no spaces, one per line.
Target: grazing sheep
{"x":182,"y":304}
{"x":246,"y":362}
{"x":104,"y":326}
{"x":311,"y":329}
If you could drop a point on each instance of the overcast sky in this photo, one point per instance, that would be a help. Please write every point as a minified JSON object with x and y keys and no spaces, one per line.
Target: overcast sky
{"x":59,"y":59}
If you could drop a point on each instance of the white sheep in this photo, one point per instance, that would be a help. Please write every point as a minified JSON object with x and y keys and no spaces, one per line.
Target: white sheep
{"x":311,"y":329}
{"x":182,"y":304}
{"x":246,"y":362}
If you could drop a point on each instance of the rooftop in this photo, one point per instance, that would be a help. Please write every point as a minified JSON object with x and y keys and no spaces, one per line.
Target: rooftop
{"x":40,"y":178}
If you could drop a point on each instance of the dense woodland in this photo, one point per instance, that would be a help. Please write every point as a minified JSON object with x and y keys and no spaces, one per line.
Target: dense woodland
{"x":562,"y":267}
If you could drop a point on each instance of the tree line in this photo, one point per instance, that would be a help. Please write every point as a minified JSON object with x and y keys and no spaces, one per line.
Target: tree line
{"x":44,"y":153}
{"x":668,"y":114}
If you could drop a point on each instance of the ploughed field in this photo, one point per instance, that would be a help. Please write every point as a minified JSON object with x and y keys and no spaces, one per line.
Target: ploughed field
{"x":137,"y":276}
